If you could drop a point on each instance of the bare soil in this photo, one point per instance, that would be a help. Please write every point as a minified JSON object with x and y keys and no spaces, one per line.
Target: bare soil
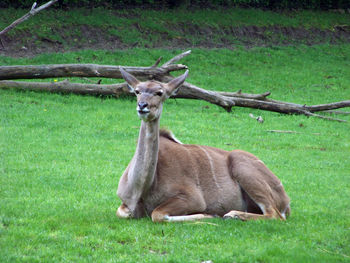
{"x":27,"y":44}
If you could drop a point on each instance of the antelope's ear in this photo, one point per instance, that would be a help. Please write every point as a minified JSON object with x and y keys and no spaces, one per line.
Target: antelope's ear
{"x":174,"y":85}
{"x":130,"y":79}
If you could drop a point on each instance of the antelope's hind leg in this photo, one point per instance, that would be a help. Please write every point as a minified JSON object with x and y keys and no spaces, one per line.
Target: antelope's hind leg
{"x":262,"y":209}
{"x":244,"y":216}
{"x":260,"y":186}
{"x":179,"y":209}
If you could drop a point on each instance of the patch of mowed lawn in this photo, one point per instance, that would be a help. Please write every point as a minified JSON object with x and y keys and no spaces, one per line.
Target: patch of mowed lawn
{"x":61,"y":157}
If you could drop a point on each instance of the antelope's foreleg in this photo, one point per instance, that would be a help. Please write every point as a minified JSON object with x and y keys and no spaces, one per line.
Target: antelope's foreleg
{"x":179,"y":209}
{"x":186,"y":218}
{"x":123,"y":212}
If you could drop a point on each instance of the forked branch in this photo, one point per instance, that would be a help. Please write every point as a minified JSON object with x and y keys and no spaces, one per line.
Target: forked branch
{"x":32,"y":12}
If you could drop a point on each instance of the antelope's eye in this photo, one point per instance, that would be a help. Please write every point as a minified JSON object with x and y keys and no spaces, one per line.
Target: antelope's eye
{"x":159,"y":93}
{"x":137,"y":92}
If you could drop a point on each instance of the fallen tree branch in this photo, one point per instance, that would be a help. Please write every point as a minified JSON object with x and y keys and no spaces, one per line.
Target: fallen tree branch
{"x":289,"y":108}
{"x":261,"y":103}
{"x":107,"y":90}
{"x":90,"y":70}
{"x":67,"y":87}
{"x":225,"y":100}
{"x":32,"y":12}
{"x":330,"y":106}
{"x":176,"y":58}
{"x":188,"y":91}
{"x":240,"y":94}
{"x":324,"y":117}
{"x":81,"y":70}
{"x":285,"y":107}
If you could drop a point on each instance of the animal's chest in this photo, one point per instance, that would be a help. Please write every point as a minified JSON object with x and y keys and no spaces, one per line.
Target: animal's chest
{"x":152,"y":200}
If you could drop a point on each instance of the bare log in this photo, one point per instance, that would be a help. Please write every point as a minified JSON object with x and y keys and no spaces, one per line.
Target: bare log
{"x":90,"y":70}
{"x":81,"y":70}
{"x":285,"y":107}
{"x":225,"y":100}
{"x":108,"y":90}
{"x":240,"y":94}
{"x":68,"y":87}
{"x":290,"y":108}
{"x":32,"y":12}
{"x":261,"y":102}
{"x":330,"y":106}
{"x":188,"y":91}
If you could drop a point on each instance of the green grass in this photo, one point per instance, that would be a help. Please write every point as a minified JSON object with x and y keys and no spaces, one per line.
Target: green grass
{"x":145,"y":28}
{"x":160,"y":20}
{"x":61,"y":158}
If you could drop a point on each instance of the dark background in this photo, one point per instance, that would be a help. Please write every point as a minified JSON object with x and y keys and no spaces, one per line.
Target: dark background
{"x":157,"y":4}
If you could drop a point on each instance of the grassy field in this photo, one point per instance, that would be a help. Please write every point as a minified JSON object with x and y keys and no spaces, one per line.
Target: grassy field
{"x":159,"y":20}
{"x":73,"y":29}
{"x":62,"y":156}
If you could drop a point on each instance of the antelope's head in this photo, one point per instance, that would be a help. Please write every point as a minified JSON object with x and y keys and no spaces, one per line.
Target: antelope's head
{"x":151,"y":94}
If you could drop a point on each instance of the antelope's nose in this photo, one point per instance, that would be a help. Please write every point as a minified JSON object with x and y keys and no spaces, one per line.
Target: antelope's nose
{"x":142,"y":105}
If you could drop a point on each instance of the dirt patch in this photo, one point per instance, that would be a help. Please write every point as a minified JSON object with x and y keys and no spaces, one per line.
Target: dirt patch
{"x":26,"y":44}
{"x":62,"y":39}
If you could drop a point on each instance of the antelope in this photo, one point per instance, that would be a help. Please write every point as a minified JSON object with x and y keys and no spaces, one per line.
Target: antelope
{"x":172,"y":182}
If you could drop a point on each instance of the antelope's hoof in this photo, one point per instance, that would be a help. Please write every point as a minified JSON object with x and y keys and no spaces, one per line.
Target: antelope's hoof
{"x":123,"y":212}
{"x":232,"y":215}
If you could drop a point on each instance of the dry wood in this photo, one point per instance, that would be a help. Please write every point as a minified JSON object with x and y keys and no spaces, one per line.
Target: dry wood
{"x":68,"y":87}
{"x":188,"y":91}
{"x":329,"y":106}
{"x":104,"y":90}
{"x":81,"y":70}
{"x":261,"y":103}
{"x":240,"y":94}
{"x":176,"y":58}
{"x":90,"y":70}
{"x":32,"y":12}
{"x":289,"y":108}
{"x":225,"y":100}
{"x":324,"y":117}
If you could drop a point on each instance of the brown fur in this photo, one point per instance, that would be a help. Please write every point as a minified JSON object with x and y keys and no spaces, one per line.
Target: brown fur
{"x":167,"y":134}
{"x":175,"y":182}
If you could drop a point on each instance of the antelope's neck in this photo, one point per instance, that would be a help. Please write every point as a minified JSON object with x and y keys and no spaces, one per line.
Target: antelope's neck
{"x":142,"y":171}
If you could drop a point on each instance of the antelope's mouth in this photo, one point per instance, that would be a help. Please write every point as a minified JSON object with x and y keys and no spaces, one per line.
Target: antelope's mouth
{"x":143,"y":111}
